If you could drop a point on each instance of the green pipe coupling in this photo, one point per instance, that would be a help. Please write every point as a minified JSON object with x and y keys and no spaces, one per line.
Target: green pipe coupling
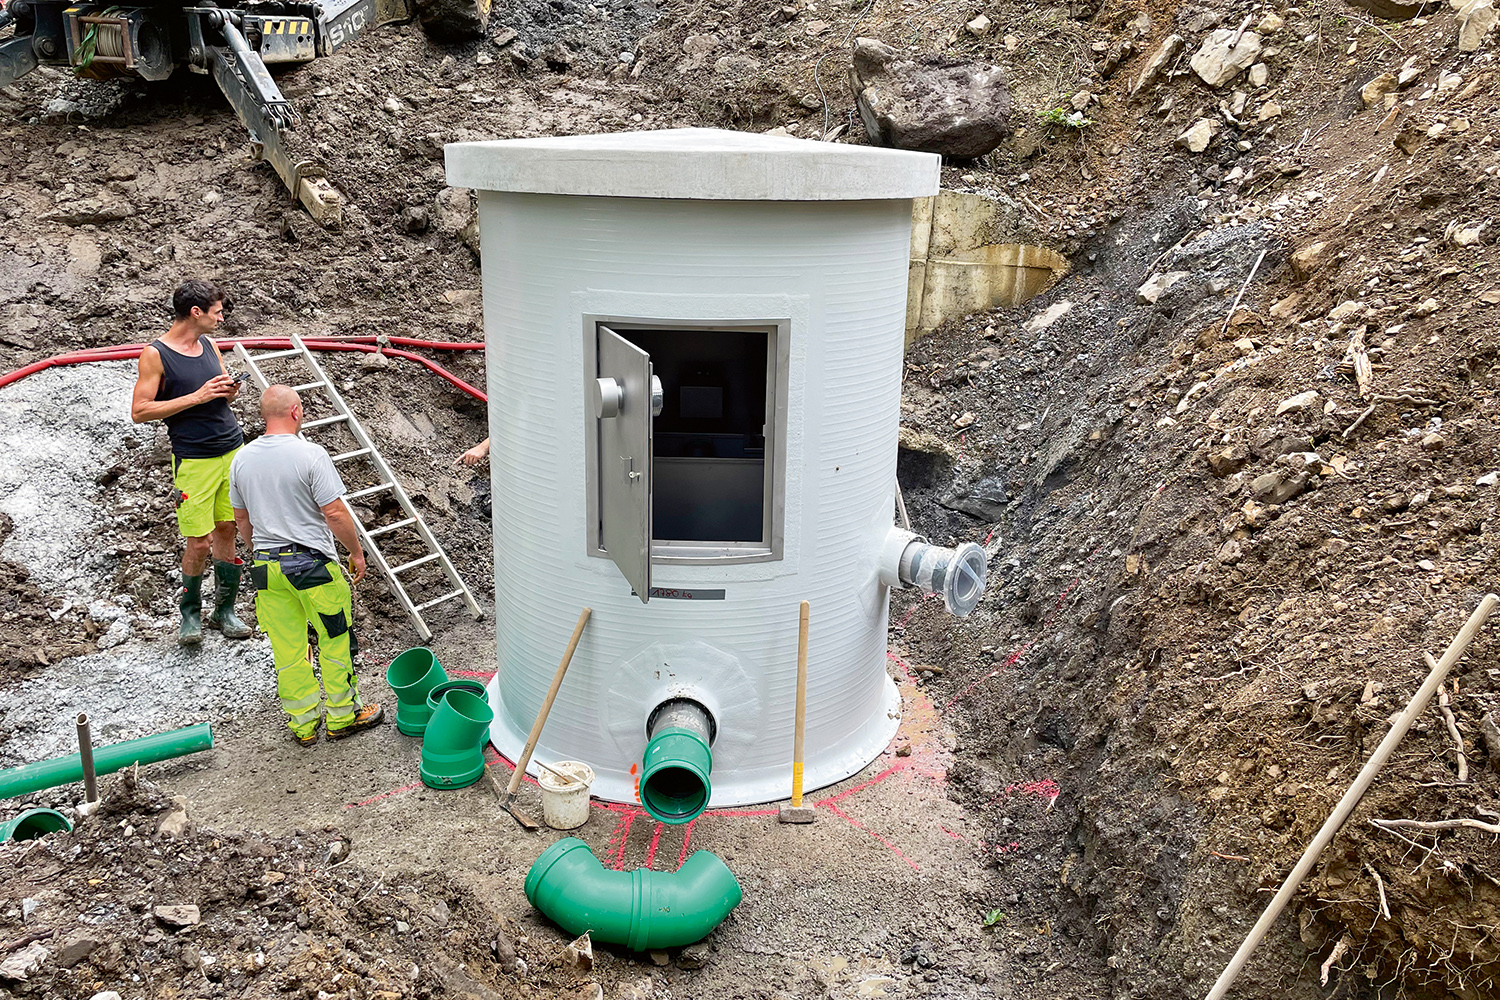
{"x":34,"y":823}
{"x":643,"y":910}
{"x":413,"y":675}
{"x":107,"y":759}
{"x":675,"y":768}
{"x":453,"y":746}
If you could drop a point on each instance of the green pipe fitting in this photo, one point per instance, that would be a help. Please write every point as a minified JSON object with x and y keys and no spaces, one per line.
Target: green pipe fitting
{"x":674,"y":775}
{"x":436,"y":695}
{"x":643,"y":910}
{"x":107,"y":759}
{"x":413,"y":675}
{"x":453,"y":746}
{"x":34,"y":823}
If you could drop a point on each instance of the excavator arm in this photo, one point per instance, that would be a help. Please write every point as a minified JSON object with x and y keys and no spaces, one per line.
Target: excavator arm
{"x":234,"y":45}
{"x":242,"y":75}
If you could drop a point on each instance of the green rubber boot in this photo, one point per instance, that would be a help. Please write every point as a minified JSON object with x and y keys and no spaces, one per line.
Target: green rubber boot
{"x":190,"y":601}
{"x":226,"y":589}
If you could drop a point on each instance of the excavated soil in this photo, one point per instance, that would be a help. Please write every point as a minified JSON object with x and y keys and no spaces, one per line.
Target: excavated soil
{"x":1220,"y":544}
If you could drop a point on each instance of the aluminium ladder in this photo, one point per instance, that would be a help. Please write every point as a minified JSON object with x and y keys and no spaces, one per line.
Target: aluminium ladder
{"x":365,"y":448}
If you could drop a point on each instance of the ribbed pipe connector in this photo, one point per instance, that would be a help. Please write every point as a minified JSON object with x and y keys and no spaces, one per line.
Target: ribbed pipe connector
{"x":958,"y":574}
{"x":675,"y":768}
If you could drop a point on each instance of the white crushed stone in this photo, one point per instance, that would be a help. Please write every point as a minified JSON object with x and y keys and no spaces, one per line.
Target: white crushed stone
{"x":135,"y":690}
{"x":59,"y":429}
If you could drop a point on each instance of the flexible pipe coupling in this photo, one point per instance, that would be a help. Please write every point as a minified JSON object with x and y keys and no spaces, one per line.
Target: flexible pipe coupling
{"x":958,"y":574}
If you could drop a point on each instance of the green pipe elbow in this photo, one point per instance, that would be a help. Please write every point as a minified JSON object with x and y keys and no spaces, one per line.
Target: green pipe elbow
{"x":107,"y":759}
{"x":453,"y":745}
{"x":34,"y":823}
{"x":643,"y":909}
{"x":412,"y":676}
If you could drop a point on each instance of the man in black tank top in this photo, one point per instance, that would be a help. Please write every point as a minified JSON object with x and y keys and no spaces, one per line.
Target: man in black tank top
{"x":182,"y":381}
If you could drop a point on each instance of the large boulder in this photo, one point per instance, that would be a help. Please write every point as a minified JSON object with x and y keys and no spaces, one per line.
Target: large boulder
{"x":929,"y":103}
{"x":1224,"y":55}
{"x":1476,"y":19}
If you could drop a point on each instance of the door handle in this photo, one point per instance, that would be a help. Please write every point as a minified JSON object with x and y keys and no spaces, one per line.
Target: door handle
{"x":609,"y":396}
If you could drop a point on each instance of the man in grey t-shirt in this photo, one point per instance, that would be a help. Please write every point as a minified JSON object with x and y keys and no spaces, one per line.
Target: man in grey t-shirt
{"x":288,"y":504}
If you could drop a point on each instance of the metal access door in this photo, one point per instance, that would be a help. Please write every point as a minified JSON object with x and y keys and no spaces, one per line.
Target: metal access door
{"x":624,"y":398}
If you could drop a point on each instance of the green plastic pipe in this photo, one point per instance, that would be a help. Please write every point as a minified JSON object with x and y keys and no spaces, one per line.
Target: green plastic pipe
{"x":436,"y":695}
{"x":643,"y":909}
{"x":676,"y":765}
{"x":674,"y":776}
{"x":34,"y":823}
{"x":107,"y":759}
{"x":412,"y":676}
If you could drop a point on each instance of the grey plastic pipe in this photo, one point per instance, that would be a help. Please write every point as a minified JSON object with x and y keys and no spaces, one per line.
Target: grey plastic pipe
{"x":107,"y":760}
{"x":958,"y":574}
{"x":86,"y":759}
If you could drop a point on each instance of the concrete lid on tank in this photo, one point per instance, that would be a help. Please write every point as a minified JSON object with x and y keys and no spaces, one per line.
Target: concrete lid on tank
{"x":705,"y":164}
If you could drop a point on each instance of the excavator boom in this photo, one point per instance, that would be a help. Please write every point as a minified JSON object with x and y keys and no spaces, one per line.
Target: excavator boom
{"x":234,"y":45}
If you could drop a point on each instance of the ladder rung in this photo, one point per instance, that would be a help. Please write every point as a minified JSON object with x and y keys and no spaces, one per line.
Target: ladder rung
{"x":351,"y":454}
{"x":308,"y":385}
{"x":391,"y":527}
{"x":338,"y":419}
{"x":439,"y":600}
{"x":258,"y":358}
{"x":369,"y":490}
{"x":415,"y":562}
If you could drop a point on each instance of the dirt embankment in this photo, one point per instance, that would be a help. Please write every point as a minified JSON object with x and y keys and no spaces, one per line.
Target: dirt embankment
{"x":196,"y":912}
{"x":1228,"y":543}
{"x":1221,"y":549}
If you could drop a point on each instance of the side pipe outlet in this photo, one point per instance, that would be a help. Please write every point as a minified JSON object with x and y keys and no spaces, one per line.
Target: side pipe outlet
{"x":677,"y":762}
{"x":909,"y":560}
{"x":643,"y":910}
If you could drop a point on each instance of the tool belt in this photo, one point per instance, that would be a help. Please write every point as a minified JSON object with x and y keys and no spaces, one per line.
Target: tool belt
{"x":304,"y":568}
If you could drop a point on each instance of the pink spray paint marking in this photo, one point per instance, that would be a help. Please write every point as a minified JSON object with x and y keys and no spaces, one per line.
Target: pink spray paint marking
{"x":687,"y":835}
{"x":1015,"y":657}
{"x":860,"y":826}
{"x":655,"y":840}
{"x":383,"y":795}
{"x":902,"y":664}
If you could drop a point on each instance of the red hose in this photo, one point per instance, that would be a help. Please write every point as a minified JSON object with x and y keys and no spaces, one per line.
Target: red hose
{"x":226,"y":342}
{"x":127,"y":352}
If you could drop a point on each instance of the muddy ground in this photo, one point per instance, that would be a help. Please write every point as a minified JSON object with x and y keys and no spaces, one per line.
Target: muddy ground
{"x":1220,"y":555}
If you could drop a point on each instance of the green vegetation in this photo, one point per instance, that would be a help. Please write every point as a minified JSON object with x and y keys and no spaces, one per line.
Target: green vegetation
{"x":1064,"y":118}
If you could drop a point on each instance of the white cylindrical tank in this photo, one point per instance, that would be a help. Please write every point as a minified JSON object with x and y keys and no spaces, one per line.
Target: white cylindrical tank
{"x":694,"y":355}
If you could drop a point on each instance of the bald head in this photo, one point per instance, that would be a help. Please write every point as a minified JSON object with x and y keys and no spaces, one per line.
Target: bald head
{"x":280,"y":407}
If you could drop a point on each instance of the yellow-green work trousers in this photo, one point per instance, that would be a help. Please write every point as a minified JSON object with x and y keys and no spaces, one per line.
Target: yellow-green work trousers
{"x":284,"y":612}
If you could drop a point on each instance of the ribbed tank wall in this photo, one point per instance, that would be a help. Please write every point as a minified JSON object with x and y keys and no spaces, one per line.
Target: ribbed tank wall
{"x":837,"y":271}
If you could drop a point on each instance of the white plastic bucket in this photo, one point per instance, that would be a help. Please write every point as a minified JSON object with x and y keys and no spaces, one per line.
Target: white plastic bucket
{"x":565,"y":805}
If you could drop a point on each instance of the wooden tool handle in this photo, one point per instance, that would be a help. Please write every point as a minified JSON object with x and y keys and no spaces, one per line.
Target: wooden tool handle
{"x":541,"y":718}
{"x":1362,"y":782}
{"x":801,"y":706}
